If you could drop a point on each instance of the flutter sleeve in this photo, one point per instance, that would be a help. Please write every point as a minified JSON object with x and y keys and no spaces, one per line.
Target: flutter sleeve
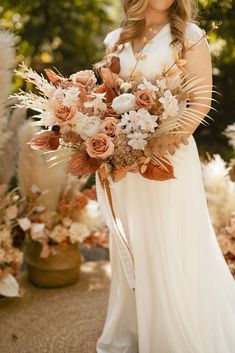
{"x":111,"y":38}
{"x":193,"y":34}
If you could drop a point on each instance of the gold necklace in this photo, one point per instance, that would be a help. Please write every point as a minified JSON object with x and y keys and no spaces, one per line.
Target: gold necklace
{"x":139,"y":54}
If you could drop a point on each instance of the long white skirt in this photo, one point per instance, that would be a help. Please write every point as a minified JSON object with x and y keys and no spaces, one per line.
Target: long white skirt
{"x":184,"y":300}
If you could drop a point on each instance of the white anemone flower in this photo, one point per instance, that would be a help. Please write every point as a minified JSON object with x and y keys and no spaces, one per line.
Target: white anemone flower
{"x":170,"y":105}
{"x":129,"y":122}
{"x":148,"y":122}
{"x":137,"y":140}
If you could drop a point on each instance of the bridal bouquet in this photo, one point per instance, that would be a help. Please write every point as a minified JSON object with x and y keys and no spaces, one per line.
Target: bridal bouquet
{"x":111,"y":123}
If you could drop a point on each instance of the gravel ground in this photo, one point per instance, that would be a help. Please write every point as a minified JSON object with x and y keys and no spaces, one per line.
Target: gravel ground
{"x":63,"y":320}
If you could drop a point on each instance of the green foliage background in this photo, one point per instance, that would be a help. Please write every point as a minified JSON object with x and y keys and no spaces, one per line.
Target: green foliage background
{"x":68,"y":34}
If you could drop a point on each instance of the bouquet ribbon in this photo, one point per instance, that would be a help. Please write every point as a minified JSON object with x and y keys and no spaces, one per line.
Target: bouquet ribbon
{"x":119,"y":235}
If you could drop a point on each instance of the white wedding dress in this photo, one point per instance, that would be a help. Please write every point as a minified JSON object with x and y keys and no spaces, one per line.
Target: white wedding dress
{"x":184,"y":298}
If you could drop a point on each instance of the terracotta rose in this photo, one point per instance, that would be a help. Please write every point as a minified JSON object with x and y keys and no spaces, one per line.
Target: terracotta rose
{"x":144,"y":98}
{"x":99,"y":146}
{"x":64,"y":115}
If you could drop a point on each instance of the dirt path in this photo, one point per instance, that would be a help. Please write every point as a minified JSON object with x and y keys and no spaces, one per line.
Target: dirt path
{"x":63,"y":320}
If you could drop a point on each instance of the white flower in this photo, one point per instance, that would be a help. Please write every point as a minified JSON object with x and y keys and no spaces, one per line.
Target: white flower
{"x":37,"y":227}
{"x":162,"y":84}
{"x":137,"y":140}
{"x":97,"y":103}
{"x":47,"y":118}
{"x":59,"y":233}
{"x":148,"y":122}
{"x":71,"y":96}
{"x":78,"y":232}
{"x":134,"y":120}
{"x":148,"y":85}
{"x":24,"y":223}
{"x":124,"y":103}
{"x":129,"y":122}
{"x":39,"y":236}
{"x":125,"y":86}
{"x":170,"y":105}
{"x":56,"y":99}
{"x":87,"y":126}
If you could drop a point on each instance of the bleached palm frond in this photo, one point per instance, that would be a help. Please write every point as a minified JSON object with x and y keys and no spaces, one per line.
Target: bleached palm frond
{"x":188,"y":115}
{"x":33,"y":170}
{"x":229,"y":132}
{"x":30,"y":100}
{"x":58,"y":157}
{"x":220,"y":190}
{"x":39,"y":81}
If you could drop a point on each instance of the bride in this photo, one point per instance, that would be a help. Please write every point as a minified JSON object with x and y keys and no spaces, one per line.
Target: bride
{"x":184,"y":294}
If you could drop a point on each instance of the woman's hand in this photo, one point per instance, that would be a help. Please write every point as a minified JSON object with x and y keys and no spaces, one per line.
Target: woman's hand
{"x":164,"y":144}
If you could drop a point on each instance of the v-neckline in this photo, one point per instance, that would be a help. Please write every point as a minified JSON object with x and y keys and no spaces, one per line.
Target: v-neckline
{"x":153,"y":39}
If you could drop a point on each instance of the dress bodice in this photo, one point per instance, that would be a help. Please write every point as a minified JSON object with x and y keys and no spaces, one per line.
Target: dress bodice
{"x":157,"y":53}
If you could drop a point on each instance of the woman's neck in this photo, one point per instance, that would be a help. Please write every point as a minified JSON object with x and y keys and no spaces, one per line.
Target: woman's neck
{"x":156,"y":18}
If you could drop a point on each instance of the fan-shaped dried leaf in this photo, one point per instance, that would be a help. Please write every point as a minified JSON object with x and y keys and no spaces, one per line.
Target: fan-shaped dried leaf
{"x":155,"y":172}
{"x":81,"y":164}
{"x":45,"y":140}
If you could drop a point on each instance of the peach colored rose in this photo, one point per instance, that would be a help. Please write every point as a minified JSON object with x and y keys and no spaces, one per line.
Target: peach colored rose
{"x":85,"y":77}
{"x":99,"y":146}
{"x":64,"y":115}
{"x":108,"y":126}
{"x":144,"y":98}
{"x":46,"y":140}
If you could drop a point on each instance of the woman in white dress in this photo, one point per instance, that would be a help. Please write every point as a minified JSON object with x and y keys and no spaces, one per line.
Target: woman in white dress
{"x":184,"y":297}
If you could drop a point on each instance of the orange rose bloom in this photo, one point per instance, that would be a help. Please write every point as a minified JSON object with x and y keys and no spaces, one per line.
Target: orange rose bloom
{"x":64,"y":115}
{"x":144,"y":99}
{"x":99,"y":146}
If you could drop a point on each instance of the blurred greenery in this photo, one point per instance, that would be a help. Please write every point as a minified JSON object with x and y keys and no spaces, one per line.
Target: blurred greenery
{"x":62,"y":33}
{"x":68,"y":34}
{"x":222,"y":43}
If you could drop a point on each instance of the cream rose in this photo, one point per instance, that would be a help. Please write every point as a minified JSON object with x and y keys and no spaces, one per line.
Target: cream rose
{"x":124,"y":103}
{"x":84,"y":77}
{"x":87,"y":126}
{"x":99,"y":146}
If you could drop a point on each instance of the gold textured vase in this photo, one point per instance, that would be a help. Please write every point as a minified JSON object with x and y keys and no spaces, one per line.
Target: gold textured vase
{"x":56,"y":270}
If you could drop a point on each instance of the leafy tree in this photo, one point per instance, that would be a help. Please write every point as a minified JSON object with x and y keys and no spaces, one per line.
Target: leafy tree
{"x":222,"y":42}
{"x":62,"y":33}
